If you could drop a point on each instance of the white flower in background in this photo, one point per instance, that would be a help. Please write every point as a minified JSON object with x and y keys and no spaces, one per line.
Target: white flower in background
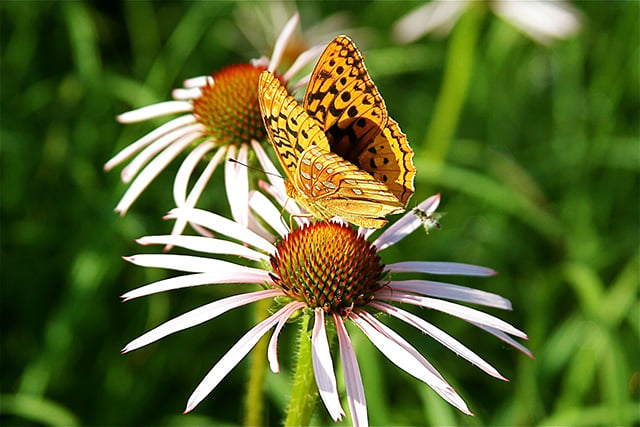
{"x":334,"y":272}
{"x":219,"y":118}
{"x":543,"y":21}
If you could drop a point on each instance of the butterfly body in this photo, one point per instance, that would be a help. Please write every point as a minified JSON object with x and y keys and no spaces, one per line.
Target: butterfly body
{"x":342,"y":154}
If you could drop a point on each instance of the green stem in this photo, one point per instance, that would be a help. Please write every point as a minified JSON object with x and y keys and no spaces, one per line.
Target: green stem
{"x":254,"y":399}
{"x":457,"y":73}
{"x":304,"y":391}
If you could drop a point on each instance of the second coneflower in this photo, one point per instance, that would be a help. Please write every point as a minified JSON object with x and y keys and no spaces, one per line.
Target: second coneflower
{"x":219,"y":118}
{"x":331,"y":273}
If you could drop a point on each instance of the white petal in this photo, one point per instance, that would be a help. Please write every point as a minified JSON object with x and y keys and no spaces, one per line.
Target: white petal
{"x":436,"y":267}
{"x":136,"y":146}
{"x":188,"y":263}
{"x":198,"y":279}
{"x":273,"y":175}
{"x":460,"y":311}
{"x":205,"y":244}
{"x":179,"y":190}
{"x":452,"y":292}
{"x":323,"y":368}
{"x":223,"y":226}
{"x":232,"y":358}
{"x":199,"y":81}
{"x":395,"y":352}
{"x":186,"y":94}
{"x":439,"y":335}
{"x":352,"y":377}
{"x":155,"y":110}
{"x":157,"y":146}
{"x":506,"y":338}
{"x":237,"y":184}
{"x":543,"y":21}
{"x":306,"y":57}
{"x":281,"y":42}
{"x":434,"y":16}
{"x":405,"y":225}
{"x":183,"y":176}
{"x":151,"y":171}
{"x":268,"y":212}
{"x":272,"y":352}
{"x":446,"y":391}
{"x":199,"y":315}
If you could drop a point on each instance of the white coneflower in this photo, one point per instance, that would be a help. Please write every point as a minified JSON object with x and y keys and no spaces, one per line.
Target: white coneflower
{"x":542,"y":21}
{"x":220,"y":118}
{"x":333,"y":273}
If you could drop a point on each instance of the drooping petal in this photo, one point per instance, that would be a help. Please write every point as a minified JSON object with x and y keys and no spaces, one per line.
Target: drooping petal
{"x":180,"y":188}
{"x":232,"y":358}
{"x":197,"y":279}
{"x":452,"y":292}
{"x":166,"y":140}
{"x":268,"y":212}
{"x":136,"y":146}
{"x":236,"y":181}
{"x":406,"y":357}
{"x":352,"y":379}
{"x":223,"y":226}
{"x":189,"y":263}
{"x":282,"y":41}
{"x":435,"y":267}
{"x":303,"y":59}
{"x":270,"y":170}
{"x":155,"y":110}
{"x":204,"y":244}
{"x":460,"y":311}
{"x":395,"y":352}
{"x":181,"y":183}
{"x":506,"y":338}
{"x":323,"y":368}
{"x":406,"y":225}
{"x":272,"y":352}
{"x":152,"y":170}
{"x":198,"y":316}
{"x":440,"y":336}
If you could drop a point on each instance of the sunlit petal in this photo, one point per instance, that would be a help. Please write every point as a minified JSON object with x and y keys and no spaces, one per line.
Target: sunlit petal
{"x":323,"y":368}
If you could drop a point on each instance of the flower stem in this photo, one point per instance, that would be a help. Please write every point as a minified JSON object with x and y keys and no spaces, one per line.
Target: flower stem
{"x":303,"y":392}
{"x":254,"y":400}
{"x":457,"y":73}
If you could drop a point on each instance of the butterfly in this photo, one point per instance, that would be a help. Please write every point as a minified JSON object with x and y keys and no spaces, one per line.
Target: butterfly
{"x":341,"y":152}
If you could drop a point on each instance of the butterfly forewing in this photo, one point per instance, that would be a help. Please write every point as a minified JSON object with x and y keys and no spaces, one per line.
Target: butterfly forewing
{"x":344,"y":100}
{"x":290,"y":129}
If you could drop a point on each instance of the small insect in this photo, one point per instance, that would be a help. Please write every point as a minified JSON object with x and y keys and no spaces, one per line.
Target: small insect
{"x":429,"y":220}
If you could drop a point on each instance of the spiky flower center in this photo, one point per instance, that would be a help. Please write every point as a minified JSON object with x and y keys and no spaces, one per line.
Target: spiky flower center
{"x":229,"y":107}
{"x":327,"y":265}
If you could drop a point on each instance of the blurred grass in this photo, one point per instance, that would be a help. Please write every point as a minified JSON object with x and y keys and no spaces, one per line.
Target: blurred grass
{"x":541,"y":183}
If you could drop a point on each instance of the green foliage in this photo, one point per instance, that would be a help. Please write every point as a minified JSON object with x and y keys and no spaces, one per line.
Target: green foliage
{"x":540,"y":182}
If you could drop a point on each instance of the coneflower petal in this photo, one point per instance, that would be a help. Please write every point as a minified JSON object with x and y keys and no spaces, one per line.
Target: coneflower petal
{"x":452,"y":292}
{"x":352,"y":378}
{"x":323,"y":368}
{"x":223,"y":226}
{"x":440,"y":336}
{"x":232,"y":358}
{"x":198,"y":316}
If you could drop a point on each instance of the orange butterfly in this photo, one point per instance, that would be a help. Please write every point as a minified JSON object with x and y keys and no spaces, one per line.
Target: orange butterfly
{"x":342,"y":153}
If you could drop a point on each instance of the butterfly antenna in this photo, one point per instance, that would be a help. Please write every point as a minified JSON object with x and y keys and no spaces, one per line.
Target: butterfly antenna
{"x":229,"y":159}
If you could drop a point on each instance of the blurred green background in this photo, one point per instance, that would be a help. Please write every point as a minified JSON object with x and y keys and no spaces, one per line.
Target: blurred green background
{"x":540,"y":182}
